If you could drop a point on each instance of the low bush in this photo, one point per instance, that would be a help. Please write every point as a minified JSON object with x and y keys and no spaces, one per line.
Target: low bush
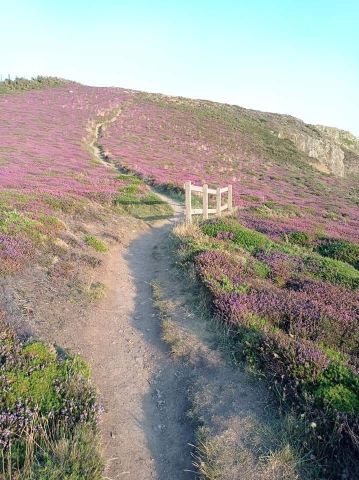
{"x":39,"y":82}
{"x":303,"y":239}
{"x":334,"y":248}
{"x":47,"y":407}
{"x":330,"y":270}
{"x":96,"y":243}
{"x":245,"y":237}
{"x":339,"y":250}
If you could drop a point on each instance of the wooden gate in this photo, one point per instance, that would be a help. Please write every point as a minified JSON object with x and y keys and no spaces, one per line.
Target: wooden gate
{"x":205,"y":210}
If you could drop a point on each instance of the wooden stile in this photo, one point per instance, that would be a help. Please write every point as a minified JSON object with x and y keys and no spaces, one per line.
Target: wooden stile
{"x":218,"y":201}
{"x":230,"y":198}
{"x":188,"y":202}
{"x":205,"y":201}
{"x":205,"y":211}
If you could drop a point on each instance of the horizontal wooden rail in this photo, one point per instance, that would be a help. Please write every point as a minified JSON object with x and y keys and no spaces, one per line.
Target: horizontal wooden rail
{"x":196,"y":188}
{"x":212,"y":191}
{"x":205,"y":211}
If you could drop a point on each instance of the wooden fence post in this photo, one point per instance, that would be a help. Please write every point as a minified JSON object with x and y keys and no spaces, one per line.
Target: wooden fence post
{"x":188,"y":202}
{"x":218,"y":201}
{"x":205,"y":201}
{"x":230,"y":198}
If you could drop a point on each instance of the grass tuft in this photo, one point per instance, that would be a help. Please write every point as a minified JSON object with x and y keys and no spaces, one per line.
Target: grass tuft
{"x":96,"y":243}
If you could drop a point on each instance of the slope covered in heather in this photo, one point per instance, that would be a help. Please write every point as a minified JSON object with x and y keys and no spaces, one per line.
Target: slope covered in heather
{"x":275,"y":184}
{"x":289,"y":297}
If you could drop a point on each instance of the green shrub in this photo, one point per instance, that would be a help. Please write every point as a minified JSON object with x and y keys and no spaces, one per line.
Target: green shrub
{"x":20,"y":84}
{"x":47,"y":413}
{"x":339,"y":250}
{"x":338,"y":398}
{"x":245,"y":237}
{"x":37,"y":353}
{"x":13,"y":222}
{"x":96,"y":243}
{"x":337,"y":388}
{"x":261,"y":269}
{"x":225,"y":284}
{"x":299,"y":238}
{"x":330,"y":270}
{"x":35,"y":376}
{"x":38,"y":387}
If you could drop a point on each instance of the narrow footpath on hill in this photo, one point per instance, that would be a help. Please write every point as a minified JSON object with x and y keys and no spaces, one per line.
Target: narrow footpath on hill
{"x":146,"y":434}
{"x":146,"y":431}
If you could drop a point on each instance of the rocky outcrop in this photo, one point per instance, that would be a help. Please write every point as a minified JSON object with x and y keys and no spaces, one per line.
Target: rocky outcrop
{"x":328,"y":155}
{"x":348,"y":142}
{"x":331,"y":150}
{"x":343,"y":138}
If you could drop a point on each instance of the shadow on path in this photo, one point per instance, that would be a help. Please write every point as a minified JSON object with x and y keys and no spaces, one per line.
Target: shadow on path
{"x":167,"y":430}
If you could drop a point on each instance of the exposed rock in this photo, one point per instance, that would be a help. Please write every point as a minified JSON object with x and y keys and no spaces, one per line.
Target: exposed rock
{"x":332,"y":150}
{"x":348,"y":142}
{"x":328,"y":153}
{"x":343,"y":138}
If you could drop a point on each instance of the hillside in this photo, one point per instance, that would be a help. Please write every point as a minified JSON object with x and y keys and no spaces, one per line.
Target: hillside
{"x":173,"y":139}
{"x":270,"y":293}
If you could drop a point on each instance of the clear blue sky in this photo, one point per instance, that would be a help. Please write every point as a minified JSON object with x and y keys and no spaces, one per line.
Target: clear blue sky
{"x":296,"y":57}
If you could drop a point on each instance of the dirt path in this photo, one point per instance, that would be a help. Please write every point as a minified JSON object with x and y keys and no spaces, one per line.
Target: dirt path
{"x":95,"y":132}
{"x":145,"y":432}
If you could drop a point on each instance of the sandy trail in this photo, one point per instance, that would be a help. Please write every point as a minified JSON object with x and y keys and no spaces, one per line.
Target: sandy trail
{"x":145,"y":431}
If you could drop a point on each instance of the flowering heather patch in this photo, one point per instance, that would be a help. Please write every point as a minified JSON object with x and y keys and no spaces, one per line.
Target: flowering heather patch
{"x":300,"y":331}
{"x":40,"y":392}
{"x":223,"y":271}
{"x":282,"y":265}
{"x":304,"y":261}
{"x":304,"y":314}
{"x":42,"y":141}
{"x":172,"y":140}
{"x":46,"y":165}
{"x":13,"y":250}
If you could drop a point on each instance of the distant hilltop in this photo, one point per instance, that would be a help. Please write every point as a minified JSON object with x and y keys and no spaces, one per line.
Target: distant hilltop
{"x":328,"y":149}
